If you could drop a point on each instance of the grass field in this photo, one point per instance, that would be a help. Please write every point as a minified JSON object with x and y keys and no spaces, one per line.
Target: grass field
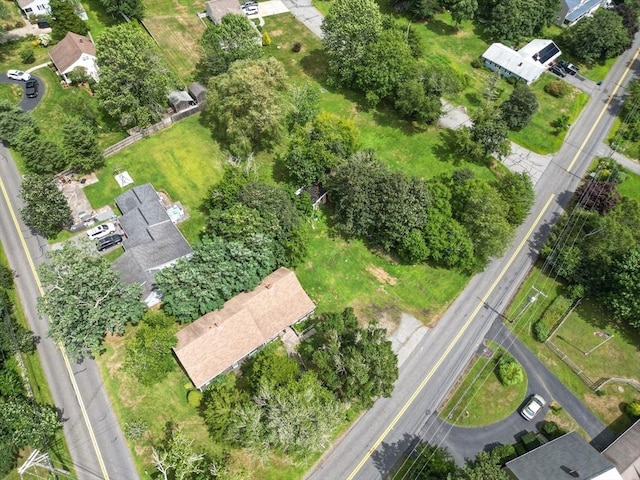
{"x":621,"y":361}
{"x":11,"y":93}
{"x":630,"y":187}
{"x":183,"y":160}
{"x":469,"y":405}
{"x":176,"y":27}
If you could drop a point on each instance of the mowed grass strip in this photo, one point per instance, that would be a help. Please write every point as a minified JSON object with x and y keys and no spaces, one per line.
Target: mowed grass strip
{"x":176,"y":27}
{"x":480,"y":399}
{"x":182,"y":160}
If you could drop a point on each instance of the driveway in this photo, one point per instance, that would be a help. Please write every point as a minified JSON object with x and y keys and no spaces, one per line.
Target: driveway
{"x":467,"y":442}
{"x":27,"y":104}
{"x":307,"y":14}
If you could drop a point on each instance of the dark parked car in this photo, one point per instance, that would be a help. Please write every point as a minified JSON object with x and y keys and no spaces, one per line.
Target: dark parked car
{"x":31,"y":88}
{"x":570,"y":68}
{"x":43,"y":23}
{"x":558,"y":71}
{"x":108,"y":242}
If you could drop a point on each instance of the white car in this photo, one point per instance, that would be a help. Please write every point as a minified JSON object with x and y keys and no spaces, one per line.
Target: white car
{"x":250,"y":10}
{"x":101,"y":231}
{"x":533,"y":406}
{"x":18,"y":75}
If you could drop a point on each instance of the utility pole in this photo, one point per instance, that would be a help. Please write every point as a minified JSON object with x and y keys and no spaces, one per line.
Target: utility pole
{"x":531,"y":301}
{"x":42,"y":460}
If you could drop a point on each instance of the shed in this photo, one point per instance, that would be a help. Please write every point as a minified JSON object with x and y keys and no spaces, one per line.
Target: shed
{"x":217,"y":9}
{"x":198,"y":92}
{"x":180,"y":100}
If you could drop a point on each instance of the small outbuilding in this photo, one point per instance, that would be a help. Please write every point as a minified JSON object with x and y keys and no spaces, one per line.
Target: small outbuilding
{"x":217,"y":9}
{"x":198,"y":92}
{"x":180,"y":100}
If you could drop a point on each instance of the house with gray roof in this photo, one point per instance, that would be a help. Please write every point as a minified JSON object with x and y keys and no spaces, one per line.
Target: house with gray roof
{"x":152,"y":242}
{"x":525,"y":65}
{"x":624,"y":453}
{"x":217,"y":9}
{"x":572,"y":11}
{"x":564,"y":458}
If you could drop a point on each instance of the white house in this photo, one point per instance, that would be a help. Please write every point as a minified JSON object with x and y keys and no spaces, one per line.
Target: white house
{"x":572,"y":11}
{"x":526,"y":64}
{"x":75,"y":51}
{"x":34,"y":7}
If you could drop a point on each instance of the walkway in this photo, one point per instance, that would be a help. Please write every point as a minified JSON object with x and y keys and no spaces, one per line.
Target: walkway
{"x":307,"y":14}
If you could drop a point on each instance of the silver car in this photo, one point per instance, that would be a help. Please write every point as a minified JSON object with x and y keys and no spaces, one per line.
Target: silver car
{"x":533,"y":406}
{"x":101,"y":231}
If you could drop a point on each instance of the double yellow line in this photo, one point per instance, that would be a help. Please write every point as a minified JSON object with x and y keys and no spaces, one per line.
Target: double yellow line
{"x":67,"y":364}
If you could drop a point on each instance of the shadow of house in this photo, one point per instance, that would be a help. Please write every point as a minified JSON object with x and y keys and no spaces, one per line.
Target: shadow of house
{"x":152,"y":242}
{"x":217,"y":9}
{"x":180,"y":100}
{"x":218,"y":341}
{"x":566,"y":457}
{"x":624,"y":453}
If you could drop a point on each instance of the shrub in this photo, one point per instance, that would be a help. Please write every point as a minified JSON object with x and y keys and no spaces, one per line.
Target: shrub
{"x":557,"y":88}
{"x":6,"y":277}
{"x":266,"y":39}
{"x":509,"y":371}
{"x":551,"y":430}
{"x":540,"y":332}
{"x":78,"y":75}
{"x":194,"y":397}
{"x":135,"y":429}
{"x":530,"y":441}
{"x":297,"y":47}
{"x":505,"y":453}
{"x":477,"y":62}
{"x":633,"y":409}
{"x":27,"y":55}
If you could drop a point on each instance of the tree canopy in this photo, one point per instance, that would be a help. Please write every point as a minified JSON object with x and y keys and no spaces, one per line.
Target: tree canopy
{"x":85,"y":299}
{"x":354,"y":362}
{"x":510,"y":21}
{"x":81,"y":146}
{"x":597,"y":38}
{"x":130,"y":8}
{"x":12,"y":120}
{"x":217,"y":271}
{"x":134,"y":79}
{"x":64,"y":19}
{"x":518,"y":109}
{"x":247,"y":105}
{"x":45,"y":211}
{"x":224,"y":43}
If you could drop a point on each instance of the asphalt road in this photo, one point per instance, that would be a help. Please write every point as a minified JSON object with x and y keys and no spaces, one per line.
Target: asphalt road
{"x":467,"y":442}
{"x":27,"y":104}
{"x":89,"y":423}
{"x":375,"y":443}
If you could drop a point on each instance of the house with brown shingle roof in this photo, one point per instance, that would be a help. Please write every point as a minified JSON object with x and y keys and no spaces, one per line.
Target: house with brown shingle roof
{"x":217,"y":9}
{"x":74,"y":51}
{"x":220,"y":340}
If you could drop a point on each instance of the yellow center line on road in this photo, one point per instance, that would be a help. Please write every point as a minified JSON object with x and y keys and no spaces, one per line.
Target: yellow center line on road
{"x":85,"y":416}
{"x":602,"y":112}
{"x":453,"y":343}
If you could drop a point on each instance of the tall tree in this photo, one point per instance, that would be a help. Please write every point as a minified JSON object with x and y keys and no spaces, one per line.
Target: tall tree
{"x":45,"y":211}
{"x":462,"y":10}
{"x":487,"y":136}
{"x":318,"y":148}
{"x":518,"y":109}
{"x":246,"y":105}
{"x":65,"y":19}
{"x":134,"y":80}
{"x":349,"y":28}
{"x":629,"y":16}
{"x":510,"y":21}
{"x":85,"y":299}
{"x":12,"y":120}
{"x":223,"y":43}
{"x":516,"y":189}
{"x":148,"y":354}
{"x":597,"y":38}
{"x":130,"y":8}
{"x":485,"y":466}
{"x":40,"y":154}
{"x":81,"y":146}
{"x":430,"y":462}
{"x":305,"y":105}
{"x":356,"y":363}
{"x":217,"y":270}
{"x":23,"y":422}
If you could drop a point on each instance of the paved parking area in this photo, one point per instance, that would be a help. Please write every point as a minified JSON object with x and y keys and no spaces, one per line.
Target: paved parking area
{"x":272,"y":7}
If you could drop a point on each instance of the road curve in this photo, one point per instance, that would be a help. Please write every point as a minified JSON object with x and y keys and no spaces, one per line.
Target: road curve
{"x":374,"y":443}
{"x":115,"y":462}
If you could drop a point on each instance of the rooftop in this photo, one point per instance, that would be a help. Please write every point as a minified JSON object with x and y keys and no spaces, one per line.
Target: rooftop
{"x":70,"y":49}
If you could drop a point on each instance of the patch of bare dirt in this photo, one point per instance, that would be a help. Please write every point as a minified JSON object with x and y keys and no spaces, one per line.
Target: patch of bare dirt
{"x":381,"y":275}
{"x":275,"y":33}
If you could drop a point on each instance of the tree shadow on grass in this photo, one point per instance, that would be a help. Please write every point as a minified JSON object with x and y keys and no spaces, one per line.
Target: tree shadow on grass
{"x":445,"y":150}
{"x":439,"y":27}
{"x":314,"y":64}
{"x":474,"y":98}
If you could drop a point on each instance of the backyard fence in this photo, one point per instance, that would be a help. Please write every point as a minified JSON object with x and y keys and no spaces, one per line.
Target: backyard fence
{"x":572,"y":365}
{"x":156,"y":127}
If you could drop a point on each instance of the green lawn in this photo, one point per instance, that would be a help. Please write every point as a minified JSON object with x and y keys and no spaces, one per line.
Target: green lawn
{"x":182,"y":160}
{"x":338,"y":273}
{"x":11,"y":92}
{"x":630,"y":186}
{"x":98,"y":20}
{"x":576,"y":336}
{"x":480,"y":399}
{"x":539,"y":136}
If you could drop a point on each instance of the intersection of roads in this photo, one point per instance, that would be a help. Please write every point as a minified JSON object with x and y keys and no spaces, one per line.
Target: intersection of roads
{"x":376,"y":441}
